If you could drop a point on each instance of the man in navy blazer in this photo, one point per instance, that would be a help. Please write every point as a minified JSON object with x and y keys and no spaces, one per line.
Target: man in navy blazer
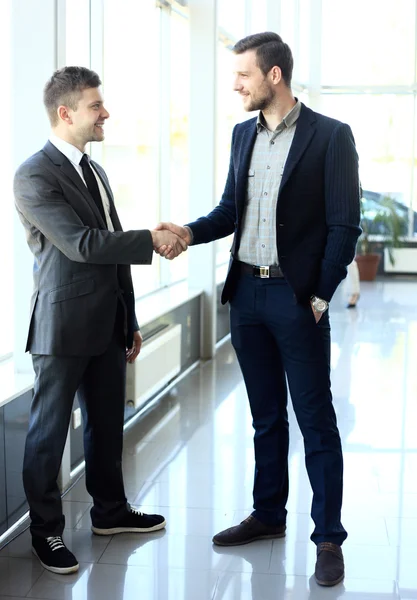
{"x":292,"y":201}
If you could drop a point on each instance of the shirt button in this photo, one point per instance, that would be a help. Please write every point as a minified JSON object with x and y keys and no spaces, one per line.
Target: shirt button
{"x":263,"y":245}
{"x":265,"y":193}
{"x":272,"y":142}
{"x":264,"y":220}
{"x":268,"y":167}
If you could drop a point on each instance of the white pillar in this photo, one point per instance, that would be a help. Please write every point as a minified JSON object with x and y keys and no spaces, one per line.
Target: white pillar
{"x":33,"y":37}
{"x":202,"y":259}
{"x":96,"y":59}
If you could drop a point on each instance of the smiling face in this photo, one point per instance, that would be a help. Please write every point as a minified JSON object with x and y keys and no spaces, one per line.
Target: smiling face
{"x":85,"y":123}
{"x":256,"y":89}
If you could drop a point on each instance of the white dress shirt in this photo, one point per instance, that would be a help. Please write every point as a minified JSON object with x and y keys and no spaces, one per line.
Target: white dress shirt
{"x":74,"y":156}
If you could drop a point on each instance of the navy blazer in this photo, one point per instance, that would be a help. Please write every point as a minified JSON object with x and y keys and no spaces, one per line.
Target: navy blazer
{"x":318,"y":205}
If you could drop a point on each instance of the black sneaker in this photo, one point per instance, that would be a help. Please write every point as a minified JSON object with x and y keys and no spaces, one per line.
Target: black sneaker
{"x":54,"y":555}
{"x":133,"y":522}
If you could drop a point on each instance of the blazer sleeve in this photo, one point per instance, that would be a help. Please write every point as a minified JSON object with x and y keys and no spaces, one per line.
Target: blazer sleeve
{"x":342,"y":206}
{"x":220,"y":222}
{"x":41,"y":203}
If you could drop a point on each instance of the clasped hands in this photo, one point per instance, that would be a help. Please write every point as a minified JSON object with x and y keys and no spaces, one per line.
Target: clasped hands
{"x":169,"y":240}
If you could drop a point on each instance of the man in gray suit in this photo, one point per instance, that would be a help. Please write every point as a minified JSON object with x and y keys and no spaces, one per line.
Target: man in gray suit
{"x":83,"y":326}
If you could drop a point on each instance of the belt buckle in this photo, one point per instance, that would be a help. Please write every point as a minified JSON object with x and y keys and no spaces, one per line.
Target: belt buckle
{"x":264,"y":272}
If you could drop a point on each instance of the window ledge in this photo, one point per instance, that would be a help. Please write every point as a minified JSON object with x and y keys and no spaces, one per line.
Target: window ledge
{"x":13,"y":384}
{"x":148,"y":309}
{"x":155,"y":305}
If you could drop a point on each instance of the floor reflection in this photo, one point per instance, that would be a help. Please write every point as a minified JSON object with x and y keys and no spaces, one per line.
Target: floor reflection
{"x":191,"y":458}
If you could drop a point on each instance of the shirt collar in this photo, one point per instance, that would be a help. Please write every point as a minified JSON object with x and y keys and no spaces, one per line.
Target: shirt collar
{"x":71,"y":152}
{"x":289,"y":119}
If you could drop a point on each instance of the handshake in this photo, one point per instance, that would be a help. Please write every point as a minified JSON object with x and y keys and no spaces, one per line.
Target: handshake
{"x":169,"y":240}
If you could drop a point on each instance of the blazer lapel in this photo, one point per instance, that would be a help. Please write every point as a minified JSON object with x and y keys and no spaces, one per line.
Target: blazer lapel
{"x":304,"y":133}
{"x":244,"y":153}
{"x":67,"y":168}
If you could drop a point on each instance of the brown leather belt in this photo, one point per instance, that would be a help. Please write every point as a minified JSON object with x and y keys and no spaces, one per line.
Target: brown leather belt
{"x":260,"y":271}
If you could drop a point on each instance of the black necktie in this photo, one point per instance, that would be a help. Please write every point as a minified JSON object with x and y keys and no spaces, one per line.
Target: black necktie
{"x":92,"y":185}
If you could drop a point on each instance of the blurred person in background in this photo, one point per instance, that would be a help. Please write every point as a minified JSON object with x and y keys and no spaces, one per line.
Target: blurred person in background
{"x":353,"y":284}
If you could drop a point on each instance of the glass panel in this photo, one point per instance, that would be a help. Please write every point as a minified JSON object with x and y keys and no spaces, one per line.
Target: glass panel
{"x":6,"y":176}
{"x":179,"y":134}
{"x":288,"y":18}
{"x":413,"y":215}
{"x":231,"y":18}
{"x":383,"y":129}
{"x":368,"y":43}
{"x":131,"y":147}
{"x":77,"y":42}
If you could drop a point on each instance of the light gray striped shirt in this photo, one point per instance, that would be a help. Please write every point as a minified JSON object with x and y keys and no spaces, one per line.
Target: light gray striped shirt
{"x":258,"y":244}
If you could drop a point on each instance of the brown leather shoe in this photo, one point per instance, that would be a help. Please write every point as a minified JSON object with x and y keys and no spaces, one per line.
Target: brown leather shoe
{"x":330,"y":568}
{"x":249,"y":530}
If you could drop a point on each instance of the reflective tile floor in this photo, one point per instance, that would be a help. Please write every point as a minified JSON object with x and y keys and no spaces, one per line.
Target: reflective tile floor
{"x":191,"y":459}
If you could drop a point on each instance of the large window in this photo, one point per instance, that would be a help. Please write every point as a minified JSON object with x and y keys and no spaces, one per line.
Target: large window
{"x":362,"y":71}
{"x":375,"y":42}
{"x":177,"y":200}
{"x":367,"y":78}
{"x":6,"y":175}
{"x":131,"y":83}
{"x":146,"y":150}
{"x":381,"y":125}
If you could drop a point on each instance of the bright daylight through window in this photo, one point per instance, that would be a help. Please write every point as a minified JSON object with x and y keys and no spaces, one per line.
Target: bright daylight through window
{"x":6,"y":238}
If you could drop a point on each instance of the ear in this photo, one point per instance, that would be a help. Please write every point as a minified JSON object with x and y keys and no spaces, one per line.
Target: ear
{"x":64,"y":114}
{"x":276,"y":75}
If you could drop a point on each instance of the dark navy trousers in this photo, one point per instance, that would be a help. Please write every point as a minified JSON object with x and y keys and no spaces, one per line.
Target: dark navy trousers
{"x":276,"y":339}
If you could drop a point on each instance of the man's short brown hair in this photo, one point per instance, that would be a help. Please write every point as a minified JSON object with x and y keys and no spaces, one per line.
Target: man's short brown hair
{"x":65,"y":87}
{"x":271,"y":51}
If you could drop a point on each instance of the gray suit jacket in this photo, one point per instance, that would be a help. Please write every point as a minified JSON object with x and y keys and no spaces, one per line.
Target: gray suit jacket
{"x":80,"y":268}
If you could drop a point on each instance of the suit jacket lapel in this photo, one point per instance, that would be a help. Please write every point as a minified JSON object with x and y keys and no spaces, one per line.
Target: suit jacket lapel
{"x":304,"y":133}
{"x":69,"y":171}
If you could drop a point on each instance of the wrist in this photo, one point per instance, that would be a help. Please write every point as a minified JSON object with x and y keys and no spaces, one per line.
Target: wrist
{"x":318,"y":304}
{"x":190,"y":234}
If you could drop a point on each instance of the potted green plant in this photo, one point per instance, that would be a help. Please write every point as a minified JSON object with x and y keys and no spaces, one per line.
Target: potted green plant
{"x":386,"y":220}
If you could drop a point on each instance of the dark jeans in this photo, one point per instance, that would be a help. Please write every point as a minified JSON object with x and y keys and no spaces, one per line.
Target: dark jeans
{"x":274,"y":338}
{"x":100,"y":383}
